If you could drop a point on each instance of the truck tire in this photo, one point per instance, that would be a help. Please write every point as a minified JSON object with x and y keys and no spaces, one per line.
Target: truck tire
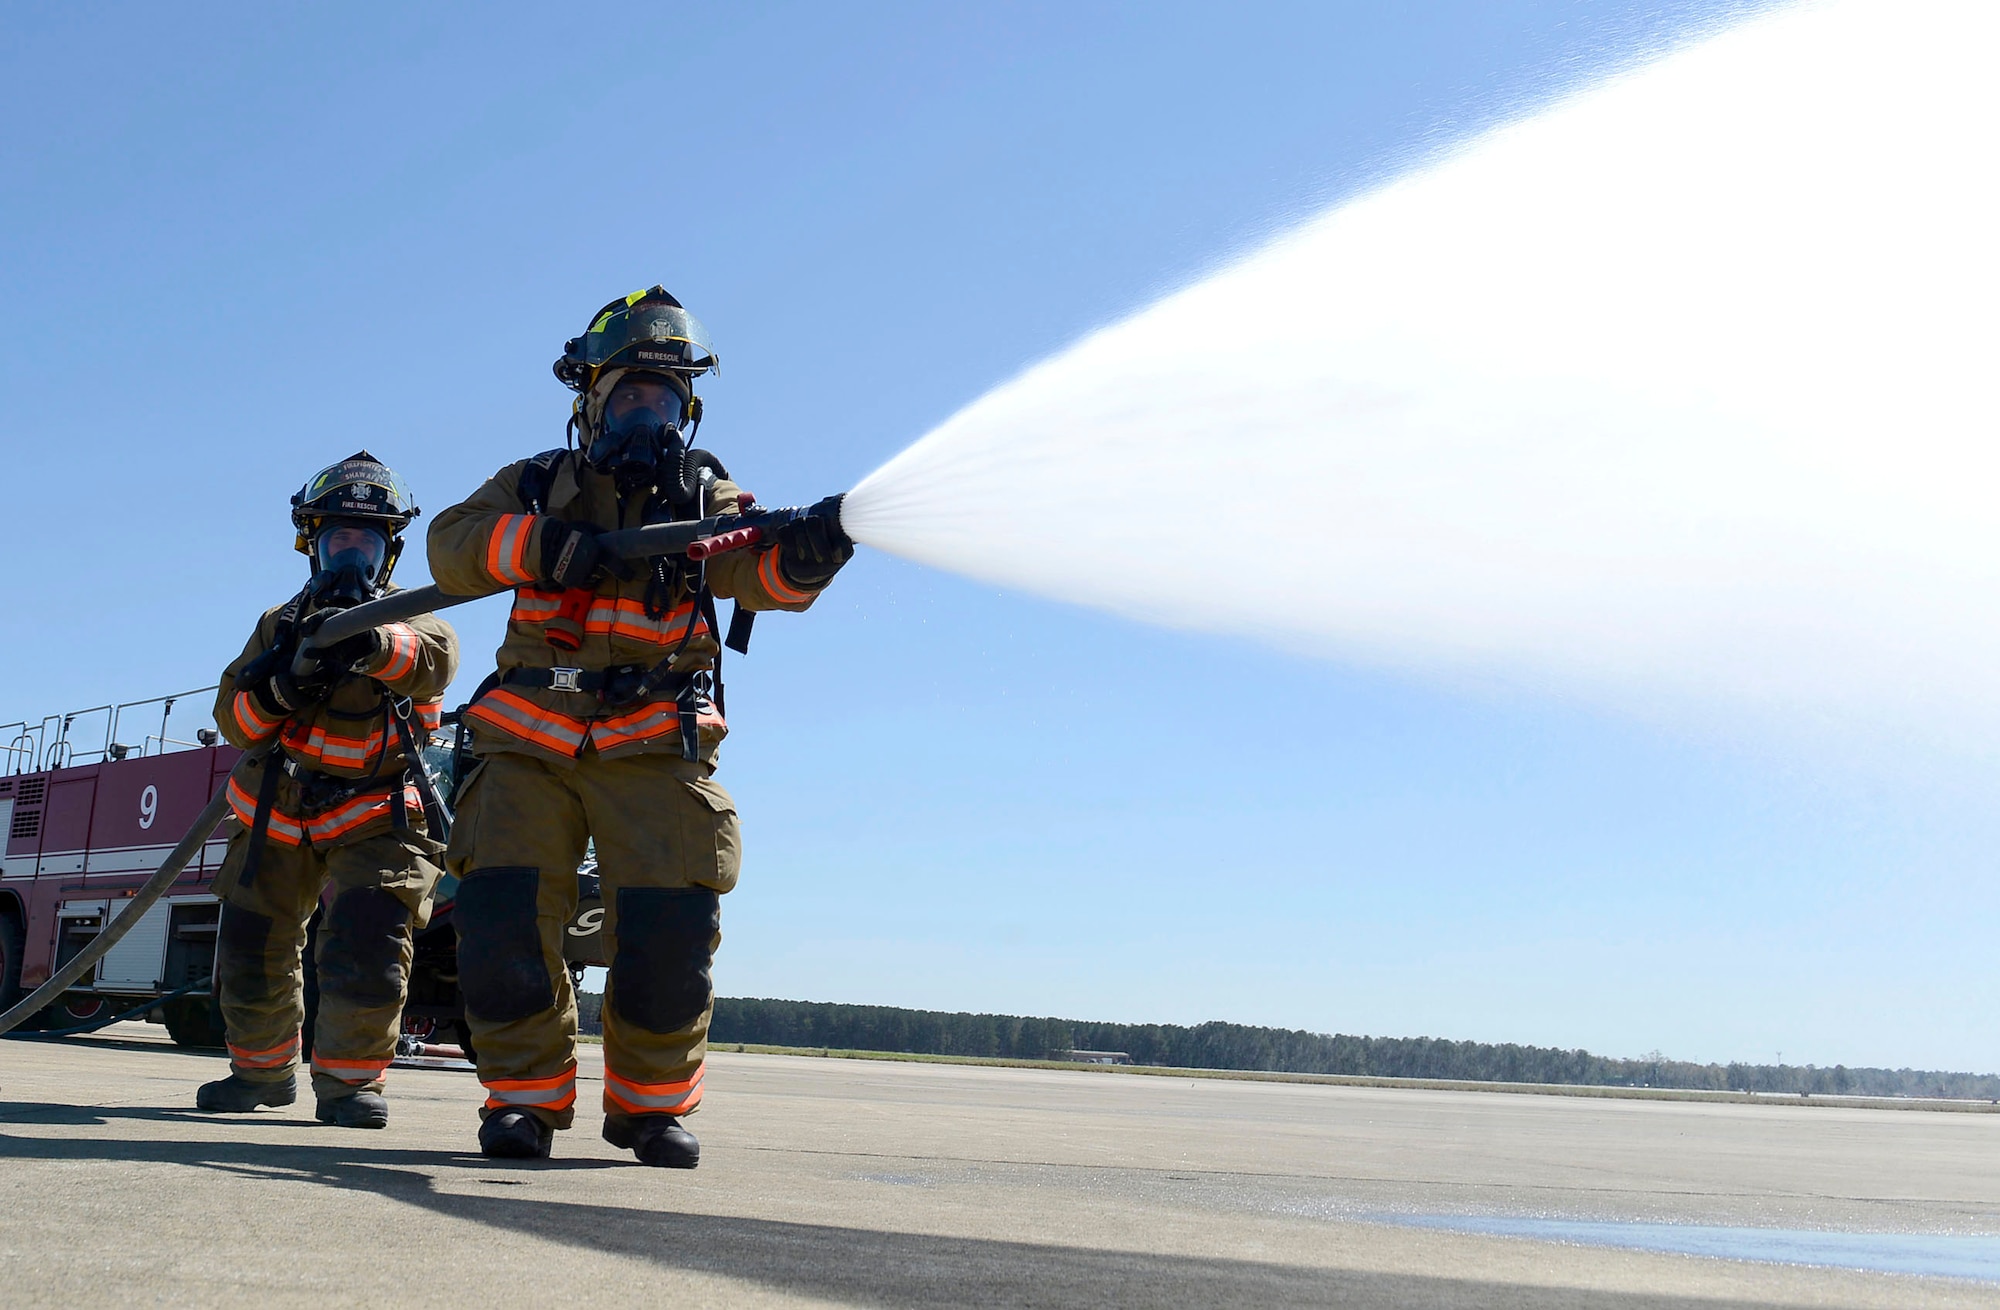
{"x":193,"y":1021}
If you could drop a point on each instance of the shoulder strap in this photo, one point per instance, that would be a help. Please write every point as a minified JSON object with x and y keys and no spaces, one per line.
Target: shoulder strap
{"x":536,"y":479}
{"x":284,"y":636}
{"x":437,"y":815}
{"x":260,"y":818}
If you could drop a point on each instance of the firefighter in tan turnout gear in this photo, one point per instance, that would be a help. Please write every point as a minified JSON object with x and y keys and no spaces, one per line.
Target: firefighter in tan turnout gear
{"x":602,"y":723}
{"x":337,"y":798}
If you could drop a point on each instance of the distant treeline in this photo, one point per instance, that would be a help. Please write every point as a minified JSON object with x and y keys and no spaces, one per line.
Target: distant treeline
{"x":805,"y":1023}
{"x":1236,"y":1046}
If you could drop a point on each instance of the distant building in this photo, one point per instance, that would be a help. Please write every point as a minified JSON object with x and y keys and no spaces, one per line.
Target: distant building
{"x":1095,"y":1057}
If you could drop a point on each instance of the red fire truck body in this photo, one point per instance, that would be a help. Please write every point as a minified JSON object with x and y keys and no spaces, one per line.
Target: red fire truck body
{"x":80,"y":841}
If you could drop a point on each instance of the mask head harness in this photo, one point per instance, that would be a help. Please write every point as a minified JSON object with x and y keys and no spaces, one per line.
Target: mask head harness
{"x":633,"y":372}
{"x":350,"y":518}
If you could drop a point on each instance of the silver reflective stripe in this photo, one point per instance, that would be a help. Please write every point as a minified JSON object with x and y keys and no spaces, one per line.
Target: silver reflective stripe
{"x":491,"y":707}
{"x":625,"y":1091}
{"x":510,"y":544}
{"x":618,"y":734}
{"x":544,"y":1096}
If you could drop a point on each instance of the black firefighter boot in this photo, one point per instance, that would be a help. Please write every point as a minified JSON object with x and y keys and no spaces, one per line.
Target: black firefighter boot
{"x":238,"y":1095}
{"x":361,"y":1110}
{"x":657,"y":1139}
{"x":515,"y":1135}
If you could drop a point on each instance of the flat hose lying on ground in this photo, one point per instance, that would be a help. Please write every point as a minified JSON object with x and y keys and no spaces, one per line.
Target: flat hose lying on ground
{"x":628,"y":543}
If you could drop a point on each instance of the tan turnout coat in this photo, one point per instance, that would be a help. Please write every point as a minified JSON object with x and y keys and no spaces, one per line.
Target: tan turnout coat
{"x":491,"y":542}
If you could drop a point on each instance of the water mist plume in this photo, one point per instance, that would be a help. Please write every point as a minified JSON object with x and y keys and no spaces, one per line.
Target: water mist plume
{"x":1677,"y":395}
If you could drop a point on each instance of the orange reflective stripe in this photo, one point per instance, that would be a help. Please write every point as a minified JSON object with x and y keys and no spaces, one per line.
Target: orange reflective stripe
{"x":653,"y":1098}
{"x":430,"y":713}
{"x":612,"y":616}
{"x":401,"y":656}
{"x":350,"y":1071}
{"x":533,"y":606}
{"x":250,"y":717}
{"x":282,"y":1054}
{"x":628,"y":618}
{"x":507,"y":549}
{"x":279,"y":1049}
{"x":280,"y":827}
{"x":556,"y":1092}
{"x":774,"y":581}
{"x":506,"y":712}
{"x":314,"y":742}
{"x":648,"y":722}
{"x":343,"y":819}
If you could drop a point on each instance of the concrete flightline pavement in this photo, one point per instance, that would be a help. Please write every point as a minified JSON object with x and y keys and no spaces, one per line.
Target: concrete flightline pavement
{"x":849,"y":1182}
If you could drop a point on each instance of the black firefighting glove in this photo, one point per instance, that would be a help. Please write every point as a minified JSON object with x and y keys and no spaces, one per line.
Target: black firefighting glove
{"x":812,"y":547}
{"x":344,"y":655}
{"x":260,"y":678}
{"x":572,"y":558}
{"x":269,"y":680}
{"x":279,"y":692}
{"x":312,"y":679}
{"x":339,"y":657}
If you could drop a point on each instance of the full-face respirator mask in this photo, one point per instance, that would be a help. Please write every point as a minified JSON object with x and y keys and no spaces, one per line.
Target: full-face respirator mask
{"x":638,"y":439}
{"x":348,"y":564}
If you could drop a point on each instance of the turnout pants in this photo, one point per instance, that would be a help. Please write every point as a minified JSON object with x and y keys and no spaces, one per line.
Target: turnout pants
{"x":667,"y":847}
{"x":382,"y":892}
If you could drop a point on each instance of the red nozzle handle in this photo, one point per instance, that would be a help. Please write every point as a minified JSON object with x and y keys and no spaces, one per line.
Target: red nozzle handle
{"x":736,"y":540}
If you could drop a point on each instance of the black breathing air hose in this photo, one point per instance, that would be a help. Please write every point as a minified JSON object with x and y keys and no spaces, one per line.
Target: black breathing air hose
{"x":109,"y":1019}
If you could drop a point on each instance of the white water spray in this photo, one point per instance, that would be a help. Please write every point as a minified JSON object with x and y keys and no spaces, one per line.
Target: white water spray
{"x":1677,"y":395}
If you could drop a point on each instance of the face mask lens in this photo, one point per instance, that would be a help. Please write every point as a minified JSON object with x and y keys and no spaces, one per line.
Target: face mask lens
{"x":349,"y":546}
{"x":643,"y":404}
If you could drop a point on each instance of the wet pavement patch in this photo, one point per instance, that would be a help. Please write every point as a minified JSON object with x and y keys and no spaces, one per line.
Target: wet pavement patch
{"x":1945,"y":1255}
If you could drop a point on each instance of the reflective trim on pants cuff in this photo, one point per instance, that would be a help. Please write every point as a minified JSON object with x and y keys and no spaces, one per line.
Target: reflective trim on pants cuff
{"x":622,"y":1095}
{"x":350,"y":1071}
{"x":277,"y":1057}
{"x":556,"y":1092}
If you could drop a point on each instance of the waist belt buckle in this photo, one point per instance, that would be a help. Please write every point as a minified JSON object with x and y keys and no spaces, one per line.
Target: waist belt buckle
{"x":565,"y":679}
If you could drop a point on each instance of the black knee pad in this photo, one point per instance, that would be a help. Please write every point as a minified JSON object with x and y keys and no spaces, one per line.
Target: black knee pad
{"x":243,"y":938}
{"x":500,"y":967}
{"x":361,"y":947}
{"x":660,"y":973}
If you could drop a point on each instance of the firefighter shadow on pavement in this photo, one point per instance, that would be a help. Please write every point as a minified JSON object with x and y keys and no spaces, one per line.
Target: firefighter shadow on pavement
{"x":836,"y":1263}
{"x":336,"y":1159}
{"x":97,"y":1116}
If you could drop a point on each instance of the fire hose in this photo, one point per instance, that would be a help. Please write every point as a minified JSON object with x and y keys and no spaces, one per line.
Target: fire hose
{"x":698,"y":539}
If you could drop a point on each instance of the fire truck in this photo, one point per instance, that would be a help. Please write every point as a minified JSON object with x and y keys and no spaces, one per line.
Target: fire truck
{"x":88,"y":821}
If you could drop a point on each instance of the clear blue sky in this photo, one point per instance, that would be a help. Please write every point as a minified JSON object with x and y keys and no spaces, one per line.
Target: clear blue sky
{"x":238,"y":243}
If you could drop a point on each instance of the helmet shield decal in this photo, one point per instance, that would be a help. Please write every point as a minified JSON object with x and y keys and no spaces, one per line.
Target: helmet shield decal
{"x":650,"y":334}
{"x":359,"y":493}
{"x":358,"y":485}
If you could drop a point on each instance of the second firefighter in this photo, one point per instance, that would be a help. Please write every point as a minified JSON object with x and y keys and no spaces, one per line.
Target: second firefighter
{"x":336,"y":796}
